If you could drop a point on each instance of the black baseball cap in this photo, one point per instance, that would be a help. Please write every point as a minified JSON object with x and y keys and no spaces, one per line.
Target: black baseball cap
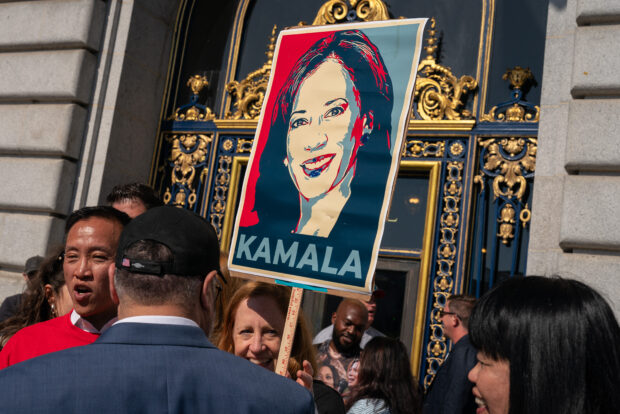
{"x":32,"y":264}
{"x":191,"y":239}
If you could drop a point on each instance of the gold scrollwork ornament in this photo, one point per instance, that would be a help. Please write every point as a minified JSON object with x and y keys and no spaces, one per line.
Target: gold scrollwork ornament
{"x":336,"y":11}
{"x":438,"y":92}
{"x":188,"y":150}
{"x":507,"y":221}
{"x":244,"y":145}
{"x":248,"y":95}
{"x":220,"y":194}
{"x":194,"y":111}
{"x":510,"y":171}
{"x":417,"y":148}
{"x":516,"y":110}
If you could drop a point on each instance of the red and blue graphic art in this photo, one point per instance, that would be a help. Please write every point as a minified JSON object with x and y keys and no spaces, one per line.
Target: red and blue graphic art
{"x":326,"y":154}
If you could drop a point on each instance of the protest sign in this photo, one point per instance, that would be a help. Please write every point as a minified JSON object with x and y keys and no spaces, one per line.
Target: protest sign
{"x":325,"y":156}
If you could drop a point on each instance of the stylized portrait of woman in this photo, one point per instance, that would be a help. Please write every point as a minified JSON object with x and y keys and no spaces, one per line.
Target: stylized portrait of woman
{"x":326,"y":153}
{"x":330,"y":137}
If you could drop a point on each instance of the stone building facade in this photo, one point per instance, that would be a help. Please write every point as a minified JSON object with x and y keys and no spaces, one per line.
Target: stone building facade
{"x":575,"y":224}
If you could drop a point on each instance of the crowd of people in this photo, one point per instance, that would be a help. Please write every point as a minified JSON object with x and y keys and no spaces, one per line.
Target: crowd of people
{"x":136,"y":312}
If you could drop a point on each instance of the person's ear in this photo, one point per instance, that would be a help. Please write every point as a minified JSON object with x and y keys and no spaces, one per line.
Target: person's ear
{"x":368,"y":122}
{"x":333,"y":318}
{"x":49,"y":294}
{"x":113,"y":293}
{"x":207,"y":293}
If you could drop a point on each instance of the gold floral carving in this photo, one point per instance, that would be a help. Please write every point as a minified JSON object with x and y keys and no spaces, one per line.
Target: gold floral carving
{"x":227,"y":145}
{"x":220,"y":193}
{"x":187,"y":158}
{"x":502,"y":156}
{"x":417,"y":149}
{"x":338,"y":11}
{"x":437,"y":91}
{"x":443,"y":281}
{"x":457,"y":149}
{"x":248,"y":94}
{"x":194,"y":111}
{"x":509,"y":162}
{"x":515,"y":110}
{"x":506,"y":223}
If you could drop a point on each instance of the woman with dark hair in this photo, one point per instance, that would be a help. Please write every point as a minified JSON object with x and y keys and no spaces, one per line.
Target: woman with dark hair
{"x":384,"y":381}
{"x":325,"y":164}
{"x":545,"y":346}
{"x":46,"y":297}
{"x":331,"y":129}
{"x":328,"y":375}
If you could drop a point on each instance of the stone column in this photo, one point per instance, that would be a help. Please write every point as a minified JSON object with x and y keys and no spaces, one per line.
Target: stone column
{"x":81,"y":88}
{"x":575,"y":221}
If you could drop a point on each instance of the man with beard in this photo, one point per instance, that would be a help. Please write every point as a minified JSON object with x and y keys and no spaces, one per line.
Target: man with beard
{"x":343,"y":349}
{"x":369,"y":333}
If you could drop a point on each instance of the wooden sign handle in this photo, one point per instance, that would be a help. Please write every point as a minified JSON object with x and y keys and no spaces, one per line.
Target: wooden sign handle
{"x":289,"y":331}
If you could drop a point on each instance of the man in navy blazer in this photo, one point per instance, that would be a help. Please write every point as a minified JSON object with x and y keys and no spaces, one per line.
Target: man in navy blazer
{"x":450,"y":391}
{"x":156,"y":358}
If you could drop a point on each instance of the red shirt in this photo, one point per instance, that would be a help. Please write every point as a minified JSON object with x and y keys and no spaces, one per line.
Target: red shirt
{"x":42,"y":338}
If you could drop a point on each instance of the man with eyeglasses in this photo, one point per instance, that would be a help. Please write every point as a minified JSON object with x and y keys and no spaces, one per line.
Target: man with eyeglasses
{"x":156,"y":357}
{"x":450,"y":391}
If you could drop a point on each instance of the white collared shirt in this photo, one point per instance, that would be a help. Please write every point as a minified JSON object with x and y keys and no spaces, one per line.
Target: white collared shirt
{"x":86,"y":326}
{"x":159,"y":319}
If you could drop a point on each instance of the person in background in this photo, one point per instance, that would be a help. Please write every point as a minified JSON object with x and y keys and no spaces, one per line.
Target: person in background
{"x":349,"y":320}
{"x":10,"y":306}
{"x":328,"y":375}
{"x":47,"y":297}
{"x":384,"y":382}
{"x":545,"y":346}
{"x":91,"y":235}
{"x":133,"y":199}
{"x":253,"y":327}
{"x":369,"y":333}
{"x":230,"y":286}
{"x":156,"y":358}
{"x":450,"y":391}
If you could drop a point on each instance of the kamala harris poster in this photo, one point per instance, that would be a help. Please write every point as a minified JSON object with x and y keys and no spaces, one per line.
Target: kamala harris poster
{"x":326,"y":152}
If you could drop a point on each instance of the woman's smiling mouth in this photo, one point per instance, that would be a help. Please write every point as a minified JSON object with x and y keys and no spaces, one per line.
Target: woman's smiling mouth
{"x":313,"y":167}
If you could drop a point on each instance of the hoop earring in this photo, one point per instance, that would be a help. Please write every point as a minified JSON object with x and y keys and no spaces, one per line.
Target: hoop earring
{"x":53,"y":310}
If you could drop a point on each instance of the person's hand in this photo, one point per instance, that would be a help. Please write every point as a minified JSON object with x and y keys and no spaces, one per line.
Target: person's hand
{"x":305,"y":376}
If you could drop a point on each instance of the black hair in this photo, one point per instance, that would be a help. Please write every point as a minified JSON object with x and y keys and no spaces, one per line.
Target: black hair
{"x":145,"y":289}
{"x":334,"y":371}
{"x":560,"y":338}
{"x":384,"y":374}
{"x":105,"y":212}
{"x":34,"y":307}
{"x":135,"y":191}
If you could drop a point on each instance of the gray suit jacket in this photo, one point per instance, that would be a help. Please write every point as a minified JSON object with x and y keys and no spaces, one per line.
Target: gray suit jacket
{"x":148,"y":368}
